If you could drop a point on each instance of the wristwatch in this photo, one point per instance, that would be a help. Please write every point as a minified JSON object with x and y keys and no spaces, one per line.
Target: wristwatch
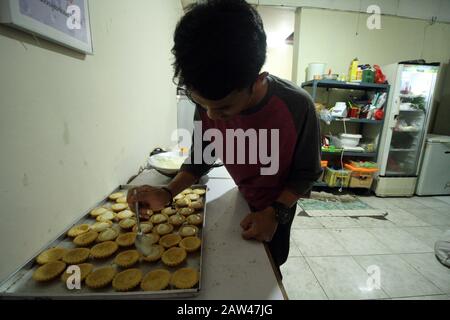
{"x":282,"y":213}
{"x":170,"y":195}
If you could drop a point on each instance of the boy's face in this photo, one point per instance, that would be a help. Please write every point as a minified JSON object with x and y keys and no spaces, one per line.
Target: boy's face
{"x":225,"y":108}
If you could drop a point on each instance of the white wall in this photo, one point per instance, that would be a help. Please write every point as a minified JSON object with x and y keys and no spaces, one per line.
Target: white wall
{"x":330,"y":36}
{"x":74,"y":127}
{"x":419,"y":9}
{"x":278,"y":24}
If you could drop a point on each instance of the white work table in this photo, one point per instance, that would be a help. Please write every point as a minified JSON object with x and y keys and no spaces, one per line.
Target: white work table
{"x":233,"y":268}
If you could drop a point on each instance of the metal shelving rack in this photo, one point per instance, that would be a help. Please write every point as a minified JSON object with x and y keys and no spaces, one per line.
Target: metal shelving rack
{"x":362,"y":86}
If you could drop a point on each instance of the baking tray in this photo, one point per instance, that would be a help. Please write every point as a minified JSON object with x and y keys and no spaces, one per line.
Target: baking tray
{"x":20,"y":284}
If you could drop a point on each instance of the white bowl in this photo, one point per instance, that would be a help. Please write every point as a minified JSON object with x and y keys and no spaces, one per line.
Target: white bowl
{"x":167,"y":162}
{"x":349,"y":140}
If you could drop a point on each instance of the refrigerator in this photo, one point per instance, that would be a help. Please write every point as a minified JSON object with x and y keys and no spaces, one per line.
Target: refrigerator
{"x":407,"y":119}
{"x":434,"y":178}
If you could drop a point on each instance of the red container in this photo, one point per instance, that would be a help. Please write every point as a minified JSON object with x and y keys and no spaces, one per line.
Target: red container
{"x":354,"y":112}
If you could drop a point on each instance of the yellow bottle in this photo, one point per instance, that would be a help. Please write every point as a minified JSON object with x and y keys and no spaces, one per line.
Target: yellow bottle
{"x":352,"y":71}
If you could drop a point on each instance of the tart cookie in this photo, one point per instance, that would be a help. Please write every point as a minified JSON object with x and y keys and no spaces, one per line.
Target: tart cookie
{"x":85,"y":239}
{"x":169,"y":211}
{"x":127,"y":280}
{"x":183,"y":202}
{"x":127,"y":258}
{"x":126,"y":239}
{"x":156,"y":252}
{"x":101,"y":277}
{"x":186,"y":191}
{"x":186,"y":211}
{"x":193,"y":196}
{"x":116,"y":195}
{"x":190,"y":244}
{"x":188,"y":231}
{"x":170,"y":240}
{"x":98,"y":211}
{"x":185,"y":278}
{"x":194,"y":219}
{"x":77,"y":230}
{"x":127,"y":223}
{"x":106,"y":216}
{"x":121,"y":200}
{"x":125,"y":214}
{"x":53,"y":254}
{"x":163,"y":228}
{"x":85,"y":270}
{"x":146,"y":227}
{"x":199,"y":191}
{"x":174,"y":256}
{"x":119,"y":207}
{"x":152,"y":238}
{"x":49,"y":271}
{"x":156,"y":280}
{"x":177,"y":219}
{"x":197,"y":205}
{"x":104,"y":249}
{"x":178,"y":197}
{"x":158,"y":218}
{"x":76,"y":256}
{"x":101,"y":226}
{"x":107,"y":235}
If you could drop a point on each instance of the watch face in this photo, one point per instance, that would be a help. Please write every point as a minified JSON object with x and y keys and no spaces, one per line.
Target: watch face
{"x":282,"y":216}
{"x":282,"y":212}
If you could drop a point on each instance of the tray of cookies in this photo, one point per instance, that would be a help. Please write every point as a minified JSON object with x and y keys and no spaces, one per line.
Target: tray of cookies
{"x":96,"y":258}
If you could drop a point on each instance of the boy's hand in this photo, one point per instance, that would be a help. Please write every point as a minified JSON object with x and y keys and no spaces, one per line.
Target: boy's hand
{"x":149,"y":198}
{"x":260,"y":225}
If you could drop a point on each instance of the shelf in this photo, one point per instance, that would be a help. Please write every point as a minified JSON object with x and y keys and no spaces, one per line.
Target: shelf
{"x":398,"y":174}
{"x":406,"y":131}
{"x":403,"y":150}
{"x":352,"y":154}
{"x":354,"y":120}
{"x":412,"y":111}
{"x":345,"y":85}
{"x":320,"y":184}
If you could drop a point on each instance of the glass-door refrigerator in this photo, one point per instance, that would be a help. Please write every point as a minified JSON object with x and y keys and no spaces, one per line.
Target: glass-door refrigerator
{"x":407,"y":117}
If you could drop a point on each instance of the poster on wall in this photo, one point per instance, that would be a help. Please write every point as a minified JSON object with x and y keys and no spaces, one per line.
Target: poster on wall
{"x":63,"y":21}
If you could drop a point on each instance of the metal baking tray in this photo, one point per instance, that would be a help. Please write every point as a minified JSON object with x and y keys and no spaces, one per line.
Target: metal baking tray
{"x":20,"y":284}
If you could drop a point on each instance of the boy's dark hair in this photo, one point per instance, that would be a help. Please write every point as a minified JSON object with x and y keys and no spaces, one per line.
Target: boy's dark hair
{"x":220,"y":46}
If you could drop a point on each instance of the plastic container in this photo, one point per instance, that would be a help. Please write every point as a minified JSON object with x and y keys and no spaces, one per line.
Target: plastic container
{"x":337,"y":178}
{"x":315,"y":69}
{"x":349,"y":140}
{"x":360,"y":177}
{"x":353,"y":70}
{"x":368,"y":76}
{"x":361,"y":180}
{"x":323,"y":164}
{"x":353,"y":167}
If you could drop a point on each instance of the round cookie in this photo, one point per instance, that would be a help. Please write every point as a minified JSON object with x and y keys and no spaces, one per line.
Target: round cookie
{"x":156,"y":280}
{"x":52,"y":254}
{"x":49,"y":271}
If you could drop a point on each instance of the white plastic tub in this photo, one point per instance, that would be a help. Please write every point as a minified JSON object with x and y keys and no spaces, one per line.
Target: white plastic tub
{"x":349,"y":140}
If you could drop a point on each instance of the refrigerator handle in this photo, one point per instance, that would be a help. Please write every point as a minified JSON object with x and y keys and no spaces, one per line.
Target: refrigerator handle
{"x":395,"y":122}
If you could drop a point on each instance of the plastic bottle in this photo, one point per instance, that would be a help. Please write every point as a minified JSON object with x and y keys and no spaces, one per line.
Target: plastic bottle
{"x":352,"y":71}
{"x":359,"y":74}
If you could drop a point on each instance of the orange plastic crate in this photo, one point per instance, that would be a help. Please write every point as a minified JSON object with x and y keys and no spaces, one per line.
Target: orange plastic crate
{"x":358,"y":169}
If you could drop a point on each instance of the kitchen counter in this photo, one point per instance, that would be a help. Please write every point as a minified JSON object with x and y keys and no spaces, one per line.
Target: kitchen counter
{"x":233,"y":268}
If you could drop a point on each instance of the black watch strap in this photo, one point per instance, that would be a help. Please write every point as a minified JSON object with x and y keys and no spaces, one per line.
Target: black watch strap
{"x":282,"y":213}
{"x":170,"y":194}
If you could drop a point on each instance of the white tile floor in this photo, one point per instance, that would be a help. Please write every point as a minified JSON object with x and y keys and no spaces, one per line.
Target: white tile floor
{"x":331,"y":257}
